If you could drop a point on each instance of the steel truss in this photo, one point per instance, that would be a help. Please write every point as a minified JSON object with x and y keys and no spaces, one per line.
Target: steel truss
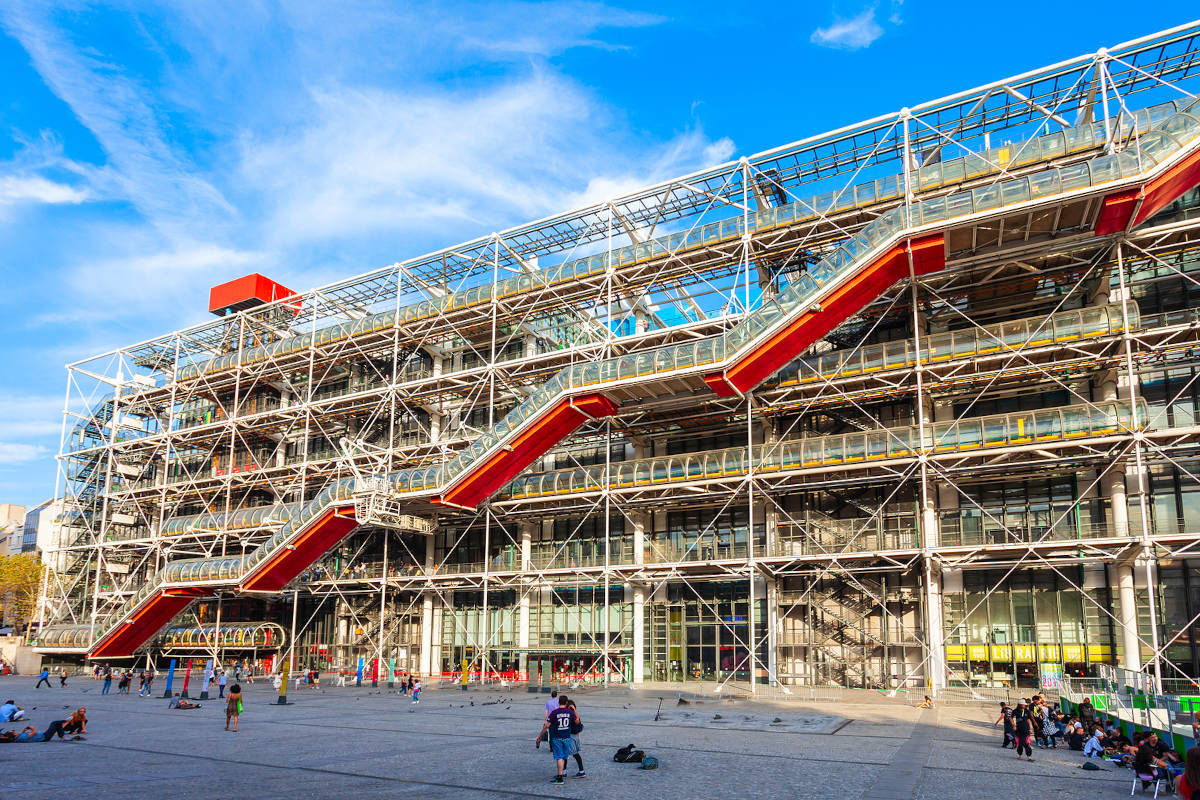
{"x":841,"y":565}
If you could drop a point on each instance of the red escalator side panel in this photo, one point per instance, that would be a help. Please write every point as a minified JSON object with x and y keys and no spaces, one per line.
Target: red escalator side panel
{"x":149,"y":620}
{"x":312,"y":543}
{"x":716,"y":382}
{"x":928,"y":255}
{"x":558,"y":423}
{"x":1161,"y":191}
{"x":1115,"y":211}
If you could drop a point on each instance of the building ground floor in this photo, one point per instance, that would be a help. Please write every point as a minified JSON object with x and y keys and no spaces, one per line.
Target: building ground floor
{"x":1000,"y":627}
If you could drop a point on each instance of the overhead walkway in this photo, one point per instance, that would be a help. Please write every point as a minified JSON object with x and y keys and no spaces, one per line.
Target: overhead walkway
{"x":1108,"y":193}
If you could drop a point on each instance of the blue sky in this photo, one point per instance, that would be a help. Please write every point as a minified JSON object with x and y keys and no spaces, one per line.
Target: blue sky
{"x":147,"y":153}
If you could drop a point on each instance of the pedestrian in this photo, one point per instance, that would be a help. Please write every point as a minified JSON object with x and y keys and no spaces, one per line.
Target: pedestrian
{"x":123,"y":684}
{"x":233,"y":706}
{"x":1006,"y":716}
{"x":141,"y":682}
{"x":62,"y":678}
{"x":416,"y":691}
{"x":43,"y":677}
{"x":576,"y":729}
{"x":237,"y":671}
{"x":557,"y":728}
{"x":149,"y":680}
{"x":410,"y":684}
{"x":221,"y":684}
{"x":107,"y":679}
{"x":1023,"y":726}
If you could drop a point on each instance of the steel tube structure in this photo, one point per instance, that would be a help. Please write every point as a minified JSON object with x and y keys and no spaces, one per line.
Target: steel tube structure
{"x":859,"y":410}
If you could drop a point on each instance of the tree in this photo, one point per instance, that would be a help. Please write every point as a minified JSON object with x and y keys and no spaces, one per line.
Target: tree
{"x":20,"y":587}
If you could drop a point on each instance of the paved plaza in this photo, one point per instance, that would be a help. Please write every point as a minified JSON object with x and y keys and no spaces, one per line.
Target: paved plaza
{"x":365,"y":744}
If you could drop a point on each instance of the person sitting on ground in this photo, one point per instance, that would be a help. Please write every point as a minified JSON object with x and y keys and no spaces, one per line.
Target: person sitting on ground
{"x":1187,"y":784}
{"x":926,"y":703}
{"x":77,"y":722}
{"x":27,"y":734}
{"x":1075,"y":737}
{"x":1093,"y":747}
{"x":1116,"y":743}
{"x":181,"y":704}
{"x":11,"y":712}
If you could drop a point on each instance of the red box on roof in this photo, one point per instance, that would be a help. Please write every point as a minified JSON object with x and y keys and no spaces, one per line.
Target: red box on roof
{"x":245,"y":292}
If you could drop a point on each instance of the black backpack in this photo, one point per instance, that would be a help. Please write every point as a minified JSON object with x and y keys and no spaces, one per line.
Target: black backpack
{"x":628,"y":755}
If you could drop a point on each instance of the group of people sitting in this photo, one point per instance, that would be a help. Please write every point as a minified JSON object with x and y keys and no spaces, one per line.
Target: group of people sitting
{"x":1151,"y":758}
{"x":75,"y":724}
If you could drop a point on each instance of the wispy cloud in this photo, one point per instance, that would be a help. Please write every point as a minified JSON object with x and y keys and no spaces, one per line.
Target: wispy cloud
{"x":12,"y":453}
{"x":376,"y":160}
{"x":854,"y":33}
{"x":155,"y":176}
{"x":34,"y":188}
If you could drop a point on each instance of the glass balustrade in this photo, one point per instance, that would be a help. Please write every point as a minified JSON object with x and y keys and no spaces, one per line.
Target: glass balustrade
{"x":1048,"y":425}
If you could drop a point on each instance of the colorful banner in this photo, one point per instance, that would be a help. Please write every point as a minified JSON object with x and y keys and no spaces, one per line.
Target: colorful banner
{"x":1051,"y":675}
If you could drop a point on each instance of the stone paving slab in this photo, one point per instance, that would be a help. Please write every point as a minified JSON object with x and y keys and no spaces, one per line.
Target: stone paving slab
{"x":354,"y":742}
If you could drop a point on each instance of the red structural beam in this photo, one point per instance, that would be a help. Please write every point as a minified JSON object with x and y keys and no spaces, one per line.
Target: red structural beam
{"x":928,"y":255}
{"x":156,"y":612}
{"x":545,"y":432}
{"x":312,"y":543}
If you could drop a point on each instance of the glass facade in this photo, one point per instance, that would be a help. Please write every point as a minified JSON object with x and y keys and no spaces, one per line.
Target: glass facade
{"x":1000,"y":627}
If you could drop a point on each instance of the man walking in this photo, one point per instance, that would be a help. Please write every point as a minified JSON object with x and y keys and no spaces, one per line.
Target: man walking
{"x":107,"y":679}
{"x":149,"y":680}
{"x":44,"y":677}
{"x":558,"y":727}
{"x":221,"y":684}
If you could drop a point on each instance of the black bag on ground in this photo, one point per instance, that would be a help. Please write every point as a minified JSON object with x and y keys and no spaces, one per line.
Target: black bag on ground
{"x":622,"y":755}
{"x":635,"y":757}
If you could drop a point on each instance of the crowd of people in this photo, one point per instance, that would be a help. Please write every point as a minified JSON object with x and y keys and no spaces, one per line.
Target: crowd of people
{"x":1037,"y":723}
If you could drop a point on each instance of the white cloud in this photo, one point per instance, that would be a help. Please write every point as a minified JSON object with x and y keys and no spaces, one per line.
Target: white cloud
{"x":36,"y":189}
{"x":12,"y":454}
{"x":382,"y":160}
{"x":849,"y":34}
